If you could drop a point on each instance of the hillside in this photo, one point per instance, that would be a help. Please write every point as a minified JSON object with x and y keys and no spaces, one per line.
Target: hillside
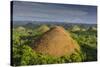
{"x":56,"y":42}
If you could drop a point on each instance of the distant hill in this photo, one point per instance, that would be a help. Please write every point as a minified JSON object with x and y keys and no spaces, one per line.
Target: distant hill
{"x":66,"y":25}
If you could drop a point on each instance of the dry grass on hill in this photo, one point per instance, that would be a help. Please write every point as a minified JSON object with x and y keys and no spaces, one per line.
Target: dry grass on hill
{"x":56,"y":42}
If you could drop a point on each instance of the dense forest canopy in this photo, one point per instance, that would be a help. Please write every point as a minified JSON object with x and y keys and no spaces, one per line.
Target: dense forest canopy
{"x":25,"y":35}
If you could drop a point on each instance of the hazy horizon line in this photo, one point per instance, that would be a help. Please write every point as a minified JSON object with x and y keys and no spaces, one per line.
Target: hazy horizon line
{"x":52,"y":22}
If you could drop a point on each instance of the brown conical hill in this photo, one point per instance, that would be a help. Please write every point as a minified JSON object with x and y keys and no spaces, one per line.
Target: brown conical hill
{"x":56,"y":42}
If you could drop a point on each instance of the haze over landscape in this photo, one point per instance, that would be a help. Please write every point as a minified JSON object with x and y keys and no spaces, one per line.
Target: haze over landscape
{"x":34,"y":11}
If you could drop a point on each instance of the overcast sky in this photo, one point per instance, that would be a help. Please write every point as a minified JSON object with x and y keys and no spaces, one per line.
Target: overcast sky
{"x":33,"y":11}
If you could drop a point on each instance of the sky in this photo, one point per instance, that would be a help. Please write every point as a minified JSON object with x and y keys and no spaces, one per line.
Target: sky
{"x":36,"y":11}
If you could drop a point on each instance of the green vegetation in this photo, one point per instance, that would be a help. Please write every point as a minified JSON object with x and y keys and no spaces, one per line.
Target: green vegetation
{"x":88,"y":43}
{"x":24,"y":55}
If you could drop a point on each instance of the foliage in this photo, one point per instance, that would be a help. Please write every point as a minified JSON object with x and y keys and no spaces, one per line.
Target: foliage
{"x":26,"y":56}
{"x":23,"y":54}
{"x":88,"y":43}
